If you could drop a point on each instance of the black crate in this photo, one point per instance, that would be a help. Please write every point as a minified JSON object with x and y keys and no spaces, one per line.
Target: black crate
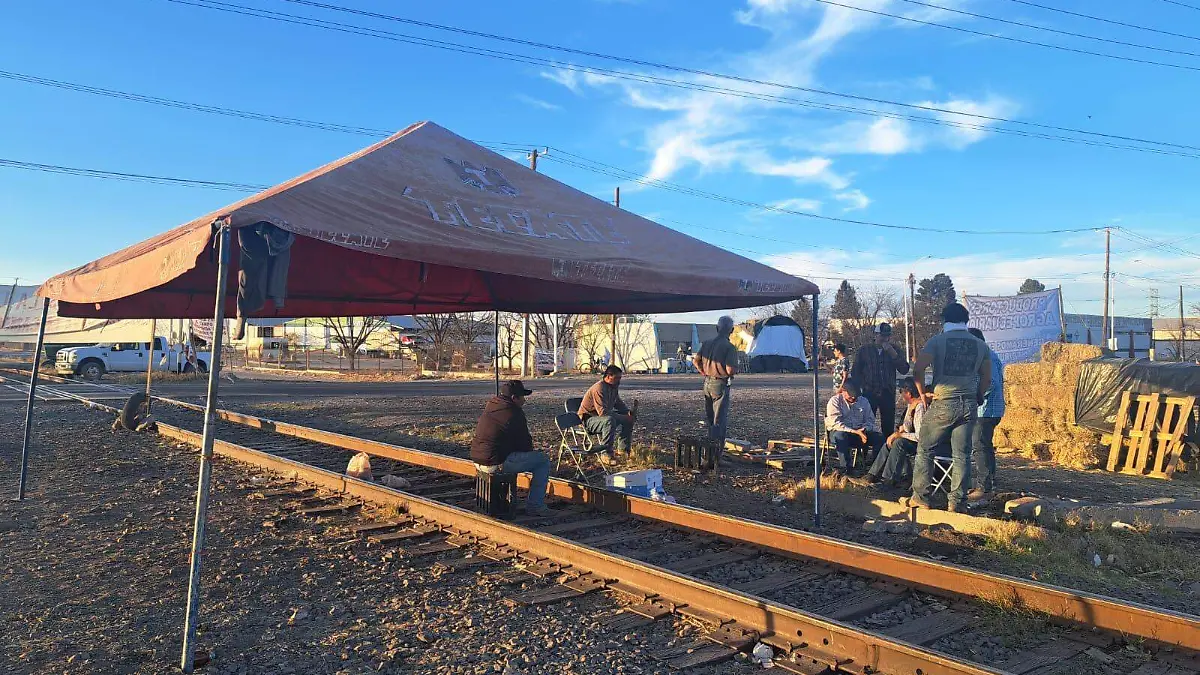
{"x":496,"y":494}
{"x":697,"y":453}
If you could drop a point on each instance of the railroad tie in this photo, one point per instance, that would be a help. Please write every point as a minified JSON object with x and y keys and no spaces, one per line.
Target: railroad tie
{"x":562,"y":528}
{"x":1160,"y":668}
{"x":857,"y":604}
{"x":329,"y":509}
{"x":602,"y":540}
{"x":571,"y":589}
{"x":707,"y":562}
{"x":1054,"y":651}
{"x":778,"y":581}
{"x":701,"y":652}
{"x":930,"y":628}
{"x":410,"y":533}
{"x":428,"y":548}
{"x":637,"y":615}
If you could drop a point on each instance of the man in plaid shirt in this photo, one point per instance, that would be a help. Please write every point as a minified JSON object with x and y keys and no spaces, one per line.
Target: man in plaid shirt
{"x":985,"y":427}
{"x":875,"y":368}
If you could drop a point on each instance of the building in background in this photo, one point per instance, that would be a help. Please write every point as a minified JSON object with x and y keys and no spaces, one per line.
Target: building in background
{"x":1167,"y":335}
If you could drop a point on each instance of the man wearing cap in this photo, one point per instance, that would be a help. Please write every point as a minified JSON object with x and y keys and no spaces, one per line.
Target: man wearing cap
{"x":717,"y":361}
{"x":502,"y":442}
{"x":875,"y":369}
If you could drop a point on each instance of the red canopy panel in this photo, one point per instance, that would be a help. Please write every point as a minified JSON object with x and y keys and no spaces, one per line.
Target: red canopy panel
{"x":427,"y":221}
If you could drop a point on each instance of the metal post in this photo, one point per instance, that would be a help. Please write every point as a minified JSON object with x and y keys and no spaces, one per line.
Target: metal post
{"x":206,"y":453}
{"x":554,"y":370}
{"x":907,"y":341}
{"x":612,"y":359}
{"x":524,"y":345}
{"x":1062,"y":317}
{"x":496,"y":361}
{"x":306,"y":344}
{"x":33,"y":379}
{"x":11,"y":292}
{"x":150,"y":361}
{"x":815,"y":365}
{"x":1181,"y":324}
{"x":1107,"y":286}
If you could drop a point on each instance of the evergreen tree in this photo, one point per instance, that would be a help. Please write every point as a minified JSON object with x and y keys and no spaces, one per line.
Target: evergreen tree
{"x":931,"y":298}
{"x":1031,"y":286}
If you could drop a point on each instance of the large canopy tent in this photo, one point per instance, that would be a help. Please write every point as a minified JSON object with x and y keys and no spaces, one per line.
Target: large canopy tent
{"x":424,"y":221}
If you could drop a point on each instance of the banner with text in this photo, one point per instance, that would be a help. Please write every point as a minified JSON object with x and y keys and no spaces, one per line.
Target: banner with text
{"x":1016,"y":326}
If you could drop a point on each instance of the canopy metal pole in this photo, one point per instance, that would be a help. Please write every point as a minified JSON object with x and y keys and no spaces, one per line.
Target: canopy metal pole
{"x":524,"y":345}
{"x":815,"y":363}
{"x":206,"y":453}
{"x":33,"y":379}
{"x":496,"y":361}
{"x":150,"y":361}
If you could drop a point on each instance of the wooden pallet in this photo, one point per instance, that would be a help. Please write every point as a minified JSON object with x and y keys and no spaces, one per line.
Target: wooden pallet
{"x":779,"y":454}
{"x":1147,"y":436}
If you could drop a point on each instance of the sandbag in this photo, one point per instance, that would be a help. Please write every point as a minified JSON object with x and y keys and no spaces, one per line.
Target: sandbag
{"x":360,"y":467}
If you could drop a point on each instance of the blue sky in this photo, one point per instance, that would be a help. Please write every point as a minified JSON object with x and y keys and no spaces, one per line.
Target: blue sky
{"x":832,"y":163}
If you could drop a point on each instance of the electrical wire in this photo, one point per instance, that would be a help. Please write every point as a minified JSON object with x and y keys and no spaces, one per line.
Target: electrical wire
{"x":1182,"y":4}
{"x":1165,"y":148}
{"x":1008,"y":38}
{"x":1104,"y":20}
{"x":1047,"y":29}
{"x":132,"y":177}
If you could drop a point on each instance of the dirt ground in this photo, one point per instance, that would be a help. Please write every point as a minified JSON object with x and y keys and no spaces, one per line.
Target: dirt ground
{"x":95,"y":567}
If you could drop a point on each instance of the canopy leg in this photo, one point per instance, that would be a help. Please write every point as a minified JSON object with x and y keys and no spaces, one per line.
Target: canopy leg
{"x":814,"y":364}
{"x":496,"y":361}
{"x":150,"y":362}
{"x":33,"y":380}
{"x":206,"y":452}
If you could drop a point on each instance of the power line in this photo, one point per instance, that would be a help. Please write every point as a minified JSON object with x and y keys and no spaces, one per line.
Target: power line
{"x":132,"y":177}
{"x":1182,"y":4}
{"x":216,"y":5}
{"x":1047,"y":29}
{"x":1104,"y":20}
{"x":1008,"y":38}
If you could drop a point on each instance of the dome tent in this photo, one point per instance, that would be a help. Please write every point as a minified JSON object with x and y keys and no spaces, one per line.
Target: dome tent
{"x":777,"y":347}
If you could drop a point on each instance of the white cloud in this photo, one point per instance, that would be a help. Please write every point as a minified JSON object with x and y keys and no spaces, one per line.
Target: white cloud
{"x":793,"y":204}
{"x":855,"y":200}
{"x":961,"y":137}
{"x":537,"y":102}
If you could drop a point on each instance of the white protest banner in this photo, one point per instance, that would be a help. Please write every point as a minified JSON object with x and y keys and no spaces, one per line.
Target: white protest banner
{"x":1016,"y":326}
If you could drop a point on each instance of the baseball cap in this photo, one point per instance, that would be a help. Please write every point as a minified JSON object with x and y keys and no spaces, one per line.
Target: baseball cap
{"x":515,"y":388}
{"x":884,"y":328}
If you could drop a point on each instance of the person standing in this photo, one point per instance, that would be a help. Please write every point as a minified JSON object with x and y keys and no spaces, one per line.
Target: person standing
{"x":606,"y":415}
{"x":983,"y":449}
{"x":840,"y":367}
{"x":717,"y":361}
{"x":502,"y":442}
{"x":875,"y":369}
{"x":962,"y":374}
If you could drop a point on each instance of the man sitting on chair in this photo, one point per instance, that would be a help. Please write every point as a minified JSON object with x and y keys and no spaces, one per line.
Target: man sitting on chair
{"x":894,"y":463}
{"x":502,"y":442}
{"x":851,"y":424}
{"x":606,"y":415}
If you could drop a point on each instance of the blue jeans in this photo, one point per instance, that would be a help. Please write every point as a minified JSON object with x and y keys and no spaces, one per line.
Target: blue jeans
{"x":896,"y":462}
{"x":984,"y":452}
{"x":607,"y":429}
{"x":844,"y":442}
{"x":951,"y":419}
{"x":716,"y":407}
{"x":536,"y":463}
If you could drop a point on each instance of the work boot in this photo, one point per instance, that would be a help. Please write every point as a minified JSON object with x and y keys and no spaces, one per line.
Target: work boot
{"x":979,"y":495}
{"x":865,"y":480}
{"x":913,"y":502}
{"x":956,"y":507}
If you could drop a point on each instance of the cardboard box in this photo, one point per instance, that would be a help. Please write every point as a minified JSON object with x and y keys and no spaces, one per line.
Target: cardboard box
{"x":645,"y":481}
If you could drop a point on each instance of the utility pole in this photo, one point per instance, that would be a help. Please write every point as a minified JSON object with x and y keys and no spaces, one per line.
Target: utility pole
{"x":1181,"y":344}
{"x":1107,"y":285}
{"x":11,"y":292}
{"x":533,"y":157}
{"x":912,"y":303}
{"x":612,"y":359}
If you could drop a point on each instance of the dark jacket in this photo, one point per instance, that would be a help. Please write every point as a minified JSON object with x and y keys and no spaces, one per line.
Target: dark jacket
{"x":501,"y":430}
{"x":875,"y":370}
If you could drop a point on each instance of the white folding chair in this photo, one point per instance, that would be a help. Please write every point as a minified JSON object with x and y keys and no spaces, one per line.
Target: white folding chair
{"x":941,"y":470}
{"x":587,"y":440}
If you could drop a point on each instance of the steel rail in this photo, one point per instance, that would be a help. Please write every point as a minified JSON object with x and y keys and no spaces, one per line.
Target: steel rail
{"x":832,"y":642}
{"x":1066,"y":605}
{"x":1160,"y":626}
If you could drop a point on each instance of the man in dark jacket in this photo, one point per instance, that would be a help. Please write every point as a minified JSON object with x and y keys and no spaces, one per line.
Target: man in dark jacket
{"x":875,"y":369}
{"x":502,"y":442}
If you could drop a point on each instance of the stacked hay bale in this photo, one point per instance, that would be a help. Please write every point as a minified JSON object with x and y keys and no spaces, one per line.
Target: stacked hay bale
{"x":1039,"y":420}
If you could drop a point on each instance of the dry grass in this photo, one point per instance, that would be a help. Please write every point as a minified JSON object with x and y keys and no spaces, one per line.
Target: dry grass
{"x":1040,"y":409}
{"x":158,"y":378}
{"x":802,"y":489}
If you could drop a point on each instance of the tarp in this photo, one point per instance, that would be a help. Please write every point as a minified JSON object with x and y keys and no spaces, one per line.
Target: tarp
{"x":427,"y":221}
{"x":778,"y":345}
{"x":1101,"y":382}
{"x":1016,"y":326}
{"x":20,"y":318}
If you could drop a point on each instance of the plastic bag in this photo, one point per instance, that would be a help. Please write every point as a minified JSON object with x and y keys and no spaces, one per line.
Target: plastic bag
{"x":763,"y":655}
{"x":360,"y":467}
{"x":395,"y":482}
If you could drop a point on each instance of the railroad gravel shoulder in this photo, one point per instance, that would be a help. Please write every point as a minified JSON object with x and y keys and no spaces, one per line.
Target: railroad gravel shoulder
{"x":97,"y":559}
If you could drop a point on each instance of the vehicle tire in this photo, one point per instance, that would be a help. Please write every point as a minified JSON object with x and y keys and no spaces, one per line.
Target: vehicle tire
{"x":91,"y":369}
{"x":134,"y":412}
{"x":202,"y":367}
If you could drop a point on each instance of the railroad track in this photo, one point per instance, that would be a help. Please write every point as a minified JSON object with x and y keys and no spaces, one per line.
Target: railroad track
{"x":824,"y":605}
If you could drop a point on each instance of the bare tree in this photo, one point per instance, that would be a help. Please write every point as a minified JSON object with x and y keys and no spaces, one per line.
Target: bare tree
{"x":439,"y":330}
{"x":509,"y":345}
{"x":468,"y":328}
{"x":632,"y":331}
{"x":352,"y":333}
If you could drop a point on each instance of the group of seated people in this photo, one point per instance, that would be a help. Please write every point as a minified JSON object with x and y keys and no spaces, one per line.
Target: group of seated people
{"x":852,"y":426}
{"x":502,"y":441}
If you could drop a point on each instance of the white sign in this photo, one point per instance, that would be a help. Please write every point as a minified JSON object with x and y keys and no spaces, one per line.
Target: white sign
{"x":1016,"y":326}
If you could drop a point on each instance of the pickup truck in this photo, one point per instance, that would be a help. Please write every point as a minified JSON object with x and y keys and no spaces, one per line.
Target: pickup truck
{"x":121,"y":357}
